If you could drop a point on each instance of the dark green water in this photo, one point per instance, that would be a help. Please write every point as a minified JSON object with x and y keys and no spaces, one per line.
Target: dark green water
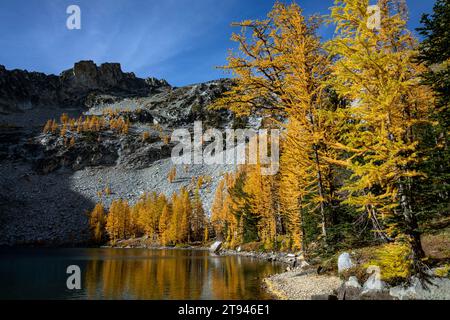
{"x":131,"y":274}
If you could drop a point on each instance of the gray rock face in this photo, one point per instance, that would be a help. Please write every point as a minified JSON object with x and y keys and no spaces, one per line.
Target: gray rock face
{"x":439,"y":289}
{"x":173,"y":107}
{"x":353,"y":282}
{"x":86,"y":77}
{"x":215,"y":247}
{"x":49,"y":153}
{"x":23,"y":90}
{"x":48,"y":185}
{"x":373,"y":290}
{"x":344,"y":262}
{"x":350,"y":290}
{"x":374,"y":283}
{"x":405,"y":293}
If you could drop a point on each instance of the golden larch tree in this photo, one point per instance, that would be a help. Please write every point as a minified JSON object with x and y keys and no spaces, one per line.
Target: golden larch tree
{"x":375,"y":70}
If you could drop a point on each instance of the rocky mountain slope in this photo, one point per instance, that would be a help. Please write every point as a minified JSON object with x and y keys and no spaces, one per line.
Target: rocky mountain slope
{"x":23,"y":90}
{"x":47,"y":184}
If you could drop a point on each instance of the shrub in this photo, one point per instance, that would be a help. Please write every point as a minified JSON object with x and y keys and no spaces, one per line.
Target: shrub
{"x":172,"y":175}
{"x":145,"y":136}
{"x":394,"y":260}
{"x":443,"y":271}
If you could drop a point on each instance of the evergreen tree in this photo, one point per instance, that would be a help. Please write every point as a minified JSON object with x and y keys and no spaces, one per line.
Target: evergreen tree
{"x":433,"y":193}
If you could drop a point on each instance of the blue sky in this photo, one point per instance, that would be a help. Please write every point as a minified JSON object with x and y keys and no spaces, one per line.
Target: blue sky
{"x":179,"y":40}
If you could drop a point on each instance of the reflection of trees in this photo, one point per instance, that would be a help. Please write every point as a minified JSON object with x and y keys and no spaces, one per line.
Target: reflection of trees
{"x":142,"y":274}
{"x":236,"y":278}
{"x":170,"y":275}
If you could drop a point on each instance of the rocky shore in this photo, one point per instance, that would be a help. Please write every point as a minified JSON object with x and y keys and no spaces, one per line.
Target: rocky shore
{"x":290,"y":259}
{"x":299,"y":285}
{"x":305,"y":283}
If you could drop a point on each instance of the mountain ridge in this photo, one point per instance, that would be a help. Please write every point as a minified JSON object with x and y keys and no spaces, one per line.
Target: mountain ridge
{"x":22,"y":90}
{"x":48,"y":183}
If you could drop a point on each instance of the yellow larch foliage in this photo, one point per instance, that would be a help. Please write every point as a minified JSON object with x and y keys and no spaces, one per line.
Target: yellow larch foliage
{"x":174,"y":231}
{"x":260,"y":198}
{"x":72,"y":124}
{"x":166,"y":139}
{"x":145,"y":136}
{"x":293,"y":184}
{"x":118,"y":221}
{"x":63,"y":130}
{"x":97,"y":222}
{"x":394,"y":261}
{"x":72,"y":142}
{"x":164,"y":222}
{"x":258,"y":69}
{"x":178,"y":221}
{"x":64,"y":119}
{"x":217,"y":219}
{"x":281,"y":72}
{"x":150,"y":210}
{"x":87,"y":124}
{"x":206,"y":233}
{"x":376,"y":70}
{"x":172,"y":174}
{"x":200,"y":182}
{"x":186,"y":215}
{"x":48,"y":126}
{"x":54,"y":126}
{"x":226,"y":213}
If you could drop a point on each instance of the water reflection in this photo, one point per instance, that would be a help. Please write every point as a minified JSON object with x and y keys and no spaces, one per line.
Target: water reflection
{"x":135,"y":274}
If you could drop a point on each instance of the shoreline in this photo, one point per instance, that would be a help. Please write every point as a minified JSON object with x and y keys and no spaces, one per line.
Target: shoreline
{"x":273,"y":256}
{"x":272,"y":290}
{"x":301,"y":281}
{"x":288,"y":259}
{"x":267,"y":283}
{"x":302,"y":285}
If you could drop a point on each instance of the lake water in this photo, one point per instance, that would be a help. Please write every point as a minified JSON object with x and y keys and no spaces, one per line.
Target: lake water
{"x":131,"y":274}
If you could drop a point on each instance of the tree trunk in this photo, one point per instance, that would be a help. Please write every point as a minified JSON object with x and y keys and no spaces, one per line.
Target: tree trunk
{"x":377,"y":227}
{"x":321,"y":193}
{"x":412,"y":227}
{"x":303,"y":233}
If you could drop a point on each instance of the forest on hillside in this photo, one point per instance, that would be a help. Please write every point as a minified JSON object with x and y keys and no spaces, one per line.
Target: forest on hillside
{"x":364,"y":149}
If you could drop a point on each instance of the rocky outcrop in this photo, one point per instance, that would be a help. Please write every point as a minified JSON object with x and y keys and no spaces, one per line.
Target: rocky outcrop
{"x":185,"y":105}
{"x":48,"y":153}
{"x":438,"y":288}
{"x":344,"y":262}
{"x":50,"y":180}
{"x":175,"y":107}
{"x":86,"y":77}
{"x":23,"y":90}
{"x":215,"y":247}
